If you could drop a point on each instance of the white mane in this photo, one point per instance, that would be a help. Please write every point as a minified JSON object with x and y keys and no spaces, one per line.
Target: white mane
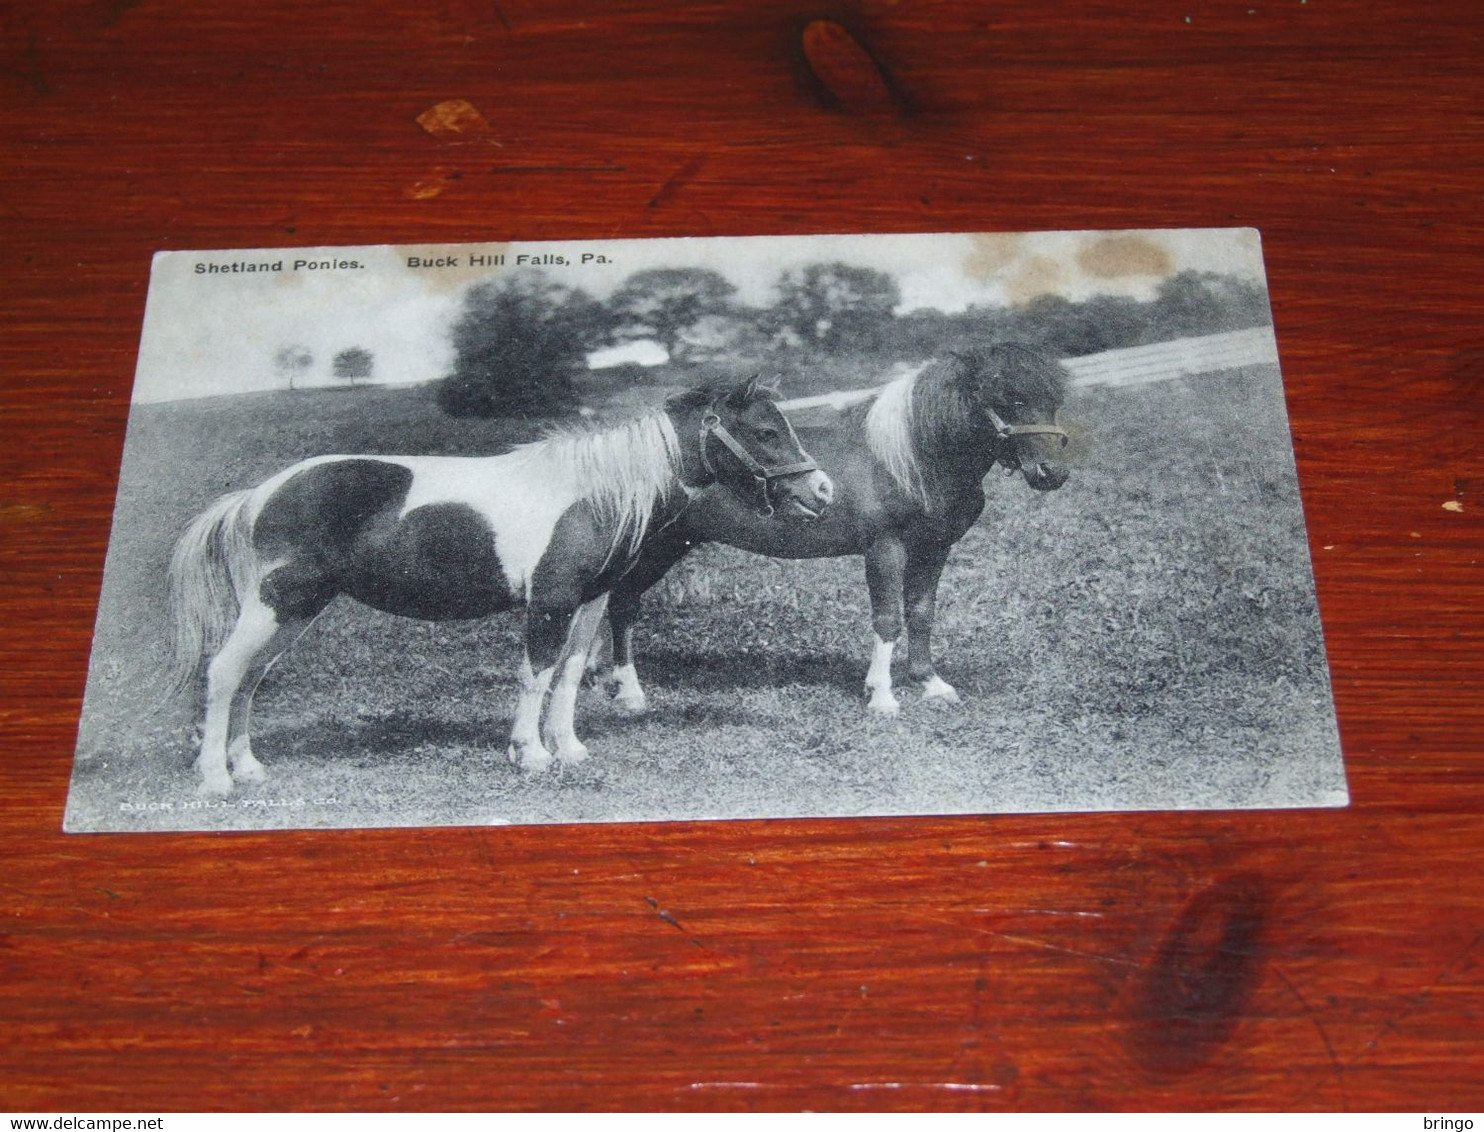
{"x":623,"y":471}
{"x":888,"y":428}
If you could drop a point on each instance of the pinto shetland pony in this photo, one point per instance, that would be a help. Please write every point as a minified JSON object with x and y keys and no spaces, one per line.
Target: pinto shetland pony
{"x":909,"y":468}
{"x":550,"y":526}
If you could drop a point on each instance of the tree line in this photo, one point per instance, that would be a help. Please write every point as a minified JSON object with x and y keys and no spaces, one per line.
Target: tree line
{"x":293,"y":362}
{"x":521,"y":339}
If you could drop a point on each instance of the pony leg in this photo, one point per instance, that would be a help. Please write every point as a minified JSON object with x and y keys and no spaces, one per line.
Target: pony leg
{"x":245,"y":766}
{"x":885,"y":565}
{"x":255,"y":629}
{"x":878,"y":680}
{"x":546,"y":637}
{"x":660,"y":553}
{"x":920,"y":589}
{"x":627,"y":691}
{"x":599,"y":668}
{"x":623,"y":678}
{"x":526,"y":750}
{"x":610,"y":665}
{"x":561,"y":715}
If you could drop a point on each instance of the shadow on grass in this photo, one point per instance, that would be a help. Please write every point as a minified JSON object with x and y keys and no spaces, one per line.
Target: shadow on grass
{"x":403,"y":734}
{"x":710,"y":671}
{"x":671,"y":715}
{"x":387,"y":733}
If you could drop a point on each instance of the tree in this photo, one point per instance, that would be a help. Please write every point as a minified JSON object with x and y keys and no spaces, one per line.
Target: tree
{"x":291,"y":361}
{"x":834,"y":305}
{"x":518,"y":343}
{"x":1199,"y":302}
{"x":666,"y":302}
{"x":352,"y":363}
{"x":928,"y":333}
{"x":1067,"y":329}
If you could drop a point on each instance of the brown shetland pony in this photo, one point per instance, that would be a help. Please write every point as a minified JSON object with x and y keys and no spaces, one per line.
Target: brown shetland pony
{"x":909,"y":467}
{"x":551,"y":526}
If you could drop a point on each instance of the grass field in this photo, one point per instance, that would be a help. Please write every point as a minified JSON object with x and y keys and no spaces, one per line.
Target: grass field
{"x":1146,"y":637}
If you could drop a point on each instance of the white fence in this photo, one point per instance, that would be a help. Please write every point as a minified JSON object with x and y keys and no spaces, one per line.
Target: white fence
{"x":1184,"y":357}
{"x":1137,"y":365}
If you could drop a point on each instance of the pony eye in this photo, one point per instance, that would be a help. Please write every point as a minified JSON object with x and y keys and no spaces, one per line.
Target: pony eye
{"x":766,"y":433}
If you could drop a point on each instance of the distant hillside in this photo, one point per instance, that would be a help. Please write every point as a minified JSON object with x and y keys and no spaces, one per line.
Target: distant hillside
{"x":312,"y":422}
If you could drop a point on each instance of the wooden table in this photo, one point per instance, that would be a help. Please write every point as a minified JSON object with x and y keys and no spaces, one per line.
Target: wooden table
{"x":1322,"y":960}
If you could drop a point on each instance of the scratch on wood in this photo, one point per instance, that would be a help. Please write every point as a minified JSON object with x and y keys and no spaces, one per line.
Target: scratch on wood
{"x":500,"y":15}
{"x":1418,"y":1000}
{"x":677,"y":180}
{"x":559,"y":169}
{"x":1313,"y":1016}
{"x":1025,"y":941}
{"x":1039,"y":944}
{"x":946,"y":1086}
{"x":672,"y":921}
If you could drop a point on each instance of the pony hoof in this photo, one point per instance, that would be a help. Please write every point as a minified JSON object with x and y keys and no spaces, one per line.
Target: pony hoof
{"x":215,"y":786}
{"x":633,"y":705}
{"x":884,"y":704}
{"x":532,"y":758}
{"x":936,"y":688}
{"x":572,"y":753}
{"x":246,"y":768}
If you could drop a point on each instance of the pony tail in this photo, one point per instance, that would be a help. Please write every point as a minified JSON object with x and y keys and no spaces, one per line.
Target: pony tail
{"x":211,"y":567}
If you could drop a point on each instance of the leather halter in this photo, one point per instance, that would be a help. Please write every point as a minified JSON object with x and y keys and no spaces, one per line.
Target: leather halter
{"x":1004,"y":431}
{"x":763,"y":474}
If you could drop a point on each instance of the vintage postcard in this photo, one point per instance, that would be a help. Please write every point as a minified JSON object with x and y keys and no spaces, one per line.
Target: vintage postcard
{"x":728,"y":528}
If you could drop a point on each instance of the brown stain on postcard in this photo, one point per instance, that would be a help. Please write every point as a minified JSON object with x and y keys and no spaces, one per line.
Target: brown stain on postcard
{"x":1040,"y":275}
{"x":1125,"y":254}
{"x":991,"y":254}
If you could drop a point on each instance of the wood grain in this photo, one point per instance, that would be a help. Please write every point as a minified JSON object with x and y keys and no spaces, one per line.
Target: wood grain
{"x":1274,"y":960}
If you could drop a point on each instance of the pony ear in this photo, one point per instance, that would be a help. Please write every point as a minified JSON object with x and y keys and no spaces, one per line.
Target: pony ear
{"x":755,"y":388}
{"x":975,"y":368}
{"x":691,"y":400}
{"x":769,"y":387}
{"x":964,"y":369}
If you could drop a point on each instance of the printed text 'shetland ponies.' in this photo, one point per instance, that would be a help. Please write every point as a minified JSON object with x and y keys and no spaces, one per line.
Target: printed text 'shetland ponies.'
{"x":250,"y":267}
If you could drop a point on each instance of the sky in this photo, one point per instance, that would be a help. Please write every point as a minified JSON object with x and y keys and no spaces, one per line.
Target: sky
{"x":208,"y":333}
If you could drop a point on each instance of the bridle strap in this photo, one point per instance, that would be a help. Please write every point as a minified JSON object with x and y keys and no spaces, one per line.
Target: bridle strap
{"x":1007,"y":431}
{"x":762,"y":474}
{"x":711,"y":426}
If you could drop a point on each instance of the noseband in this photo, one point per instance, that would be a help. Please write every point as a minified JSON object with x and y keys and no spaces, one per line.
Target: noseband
{"x":1004,"y":431}
{"x":763,"y":474}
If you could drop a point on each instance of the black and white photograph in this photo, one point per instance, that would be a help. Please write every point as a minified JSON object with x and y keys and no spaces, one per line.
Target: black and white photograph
{"x":733,"y":528}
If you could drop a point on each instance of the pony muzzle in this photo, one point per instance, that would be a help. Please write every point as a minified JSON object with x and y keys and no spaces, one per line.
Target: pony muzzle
{"x":1044,"y":475}
{"x":807,"y":495}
